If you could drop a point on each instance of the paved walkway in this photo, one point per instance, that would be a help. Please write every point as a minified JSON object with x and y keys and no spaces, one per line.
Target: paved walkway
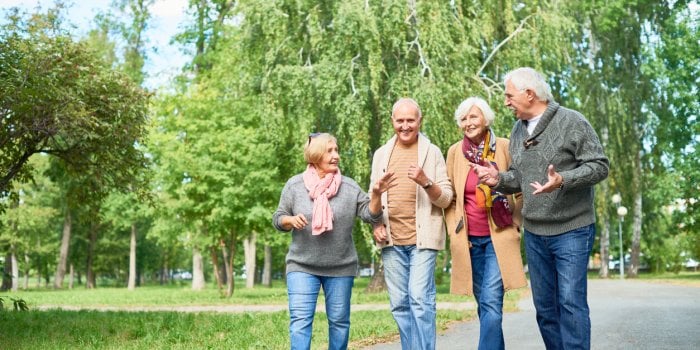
{"x":629,"y":314}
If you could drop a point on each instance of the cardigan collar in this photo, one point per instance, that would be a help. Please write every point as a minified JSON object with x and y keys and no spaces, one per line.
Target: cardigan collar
{"x":547,"y":117}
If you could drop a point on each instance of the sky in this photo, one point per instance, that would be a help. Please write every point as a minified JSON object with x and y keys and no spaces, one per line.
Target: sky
{"x":163,"y":59}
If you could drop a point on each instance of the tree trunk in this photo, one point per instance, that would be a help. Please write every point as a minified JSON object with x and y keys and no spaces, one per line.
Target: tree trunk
{"x":267,"y":267}
{"x":215,"y":266}
{"x":132,"y":259}
{"x":71,"y":273}
{"x":39,"y":264}
{"x":633,"y":270}
{"x":15,"y":268}
{"x":229,"y":251}
{"x":604,"y":247}
{"x":7,"y":272}
{"x":165,"y":273}
{"x":92,"y":242}
{"x":604,"y":197}
{"x":26,"y":272}
{"x":197,"y":269}
{"x":249,"y":252}
{"x":63,"y":255}
{"x":377,"y":284}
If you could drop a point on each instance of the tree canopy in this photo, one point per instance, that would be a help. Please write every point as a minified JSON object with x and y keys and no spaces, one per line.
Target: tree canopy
{"x":59,"y":98}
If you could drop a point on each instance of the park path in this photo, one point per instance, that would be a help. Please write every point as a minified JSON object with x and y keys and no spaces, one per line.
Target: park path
{"x":629,"y":314}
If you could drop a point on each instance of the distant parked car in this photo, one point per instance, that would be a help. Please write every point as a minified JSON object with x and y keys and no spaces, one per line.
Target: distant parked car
{"x":691,"y":264}
{"x":182,"y":275}
{"x":366,"y":272}
{"x":614,"y":264}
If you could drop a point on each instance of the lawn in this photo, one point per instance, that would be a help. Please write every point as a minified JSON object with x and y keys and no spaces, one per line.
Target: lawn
{"x":180,"y":295}
{"x":88,"y":329}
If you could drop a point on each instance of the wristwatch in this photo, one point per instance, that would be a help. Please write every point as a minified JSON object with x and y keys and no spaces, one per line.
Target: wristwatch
{"x":428,"y":184}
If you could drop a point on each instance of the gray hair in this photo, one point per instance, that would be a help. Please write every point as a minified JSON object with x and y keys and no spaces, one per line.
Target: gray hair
{"x":480,"y":103}
{"x":525,"y":78}
{"x":406,"y":100}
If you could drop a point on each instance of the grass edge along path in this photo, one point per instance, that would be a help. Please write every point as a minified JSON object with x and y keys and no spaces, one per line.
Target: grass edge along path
{"x":131,"y":325}
{"x":86,"y":329}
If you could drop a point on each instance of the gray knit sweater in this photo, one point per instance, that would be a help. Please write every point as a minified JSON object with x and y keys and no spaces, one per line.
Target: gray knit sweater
{"x":331,"y":253}
{"x":564,"y":138}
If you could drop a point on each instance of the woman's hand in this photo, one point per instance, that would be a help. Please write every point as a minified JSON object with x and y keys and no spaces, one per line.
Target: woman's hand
{"x":384,"y":184}
{"x":379,"y":232}
{"x":487,"y":174}
{"x":296,"y":222}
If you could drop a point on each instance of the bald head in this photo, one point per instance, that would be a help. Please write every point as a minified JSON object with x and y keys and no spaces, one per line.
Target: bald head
{"x":406,"y":102}
{"x":406,"y":120}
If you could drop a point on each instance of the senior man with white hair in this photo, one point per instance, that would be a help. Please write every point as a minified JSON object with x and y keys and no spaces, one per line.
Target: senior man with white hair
{"x":557,"y":158}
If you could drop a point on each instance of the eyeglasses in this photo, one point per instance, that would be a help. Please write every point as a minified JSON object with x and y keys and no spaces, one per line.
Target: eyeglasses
{"x":312,"y":135}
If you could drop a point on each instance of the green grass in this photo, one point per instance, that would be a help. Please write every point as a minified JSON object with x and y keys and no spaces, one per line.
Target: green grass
{"x":62,"y":329}
{"x":683,"y":277}
{"x":171,"y":330}
{"x":177,"y":295}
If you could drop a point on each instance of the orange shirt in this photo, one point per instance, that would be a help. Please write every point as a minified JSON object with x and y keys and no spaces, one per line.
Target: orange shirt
{"x":401,"y":199}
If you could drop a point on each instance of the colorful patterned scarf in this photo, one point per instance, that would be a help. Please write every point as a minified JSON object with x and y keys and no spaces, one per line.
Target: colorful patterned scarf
{"x":478,"y":154}
{"x":493,"y":201}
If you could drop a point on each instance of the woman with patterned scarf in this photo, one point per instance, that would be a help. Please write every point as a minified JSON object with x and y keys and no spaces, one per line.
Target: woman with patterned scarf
{"x":319,"y":207}
{"x":483,"y":225}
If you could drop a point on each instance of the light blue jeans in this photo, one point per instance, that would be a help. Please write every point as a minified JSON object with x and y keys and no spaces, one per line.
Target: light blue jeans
{"x":410,"y":277}
{"x":488,"y":292}
{"x":558,"y":267}
{"x":303,"y":289}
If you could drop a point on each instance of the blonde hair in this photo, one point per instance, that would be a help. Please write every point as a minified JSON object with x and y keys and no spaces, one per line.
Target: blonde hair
{"x":316,"y":147}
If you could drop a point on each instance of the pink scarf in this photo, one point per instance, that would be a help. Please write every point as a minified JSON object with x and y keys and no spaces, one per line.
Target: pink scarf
{"x":321,"y":190}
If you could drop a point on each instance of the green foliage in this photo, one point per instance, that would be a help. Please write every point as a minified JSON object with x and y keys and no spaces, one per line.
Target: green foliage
{"x":227,"y":134}
{"x":17,"y":304}
{"x":58,"y":98}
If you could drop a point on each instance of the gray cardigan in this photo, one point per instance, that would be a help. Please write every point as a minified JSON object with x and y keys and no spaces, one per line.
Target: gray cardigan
{"x":331,"y":253}
{"x":564,"y":138}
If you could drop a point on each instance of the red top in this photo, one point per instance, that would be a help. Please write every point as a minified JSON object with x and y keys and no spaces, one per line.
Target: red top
{"x":477,"y":218}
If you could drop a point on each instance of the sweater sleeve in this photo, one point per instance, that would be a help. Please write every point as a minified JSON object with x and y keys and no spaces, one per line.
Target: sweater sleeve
{"x":593,"y":165}
{"x":284,"y":207}
{"x":509,"y":181}
{"x":363,"y":211}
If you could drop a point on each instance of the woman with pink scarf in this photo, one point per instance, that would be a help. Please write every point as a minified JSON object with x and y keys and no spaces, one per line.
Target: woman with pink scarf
{"x":319,"y":207}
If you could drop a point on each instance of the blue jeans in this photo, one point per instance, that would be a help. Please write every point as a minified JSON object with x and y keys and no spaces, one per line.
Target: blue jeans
{"x":303,"y":289}
{"x":558,"y":267}
{"x":488,"y":292}
{"x":410,"y":278}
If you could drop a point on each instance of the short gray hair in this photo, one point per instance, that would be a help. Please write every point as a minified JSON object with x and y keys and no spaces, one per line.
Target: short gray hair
{"x":525,"y":78}
{"x":480,"y":103}
{"x":406,"y":100}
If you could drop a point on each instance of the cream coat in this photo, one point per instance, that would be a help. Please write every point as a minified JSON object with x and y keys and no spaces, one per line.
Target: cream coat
{"x":506,"y":241}
{"x":430,"y":225}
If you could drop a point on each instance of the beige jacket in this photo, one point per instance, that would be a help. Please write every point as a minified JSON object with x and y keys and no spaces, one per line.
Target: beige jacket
{"x":506,"y":241}
{"x":430,"y":226}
